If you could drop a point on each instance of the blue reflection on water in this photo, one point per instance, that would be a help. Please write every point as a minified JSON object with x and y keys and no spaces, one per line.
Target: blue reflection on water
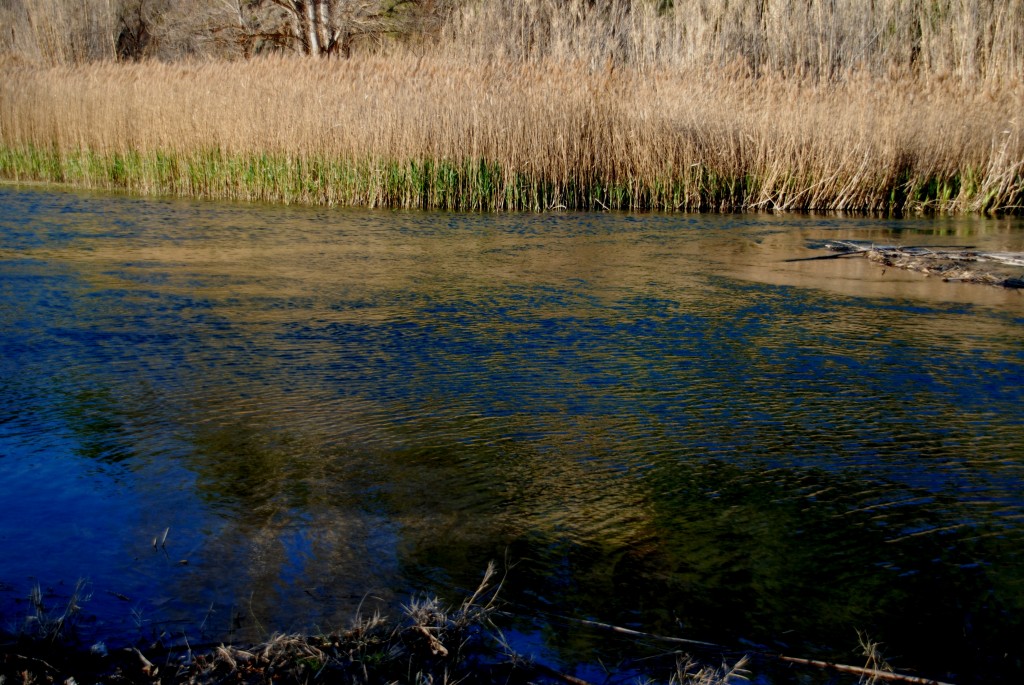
{"x":321,"y":405}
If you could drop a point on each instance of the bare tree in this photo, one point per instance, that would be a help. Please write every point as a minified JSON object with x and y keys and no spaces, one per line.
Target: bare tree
{"x":73,"y":31}
{"x":134,"y":36}
{"x":325,"y":28}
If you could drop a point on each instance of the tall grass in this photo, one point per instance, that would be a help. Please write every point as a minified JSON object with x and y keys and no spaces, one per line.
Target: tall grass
{"x":59,"y":31}
{"x":524,"y":106}
{"x":969,"y":40}
{"x":966,"y":39}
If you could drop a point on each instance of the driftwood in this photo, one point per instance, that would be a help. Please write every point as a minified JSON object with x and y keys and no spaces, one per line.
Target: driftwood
{"x":872,"y":673}
{"x":951,"y":263}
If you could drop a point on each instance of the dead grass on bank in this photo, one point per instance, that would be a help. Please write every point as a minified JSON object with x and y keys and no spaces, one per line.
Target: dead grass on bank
{"x":431,"y":645}
{"x":442,"y":131}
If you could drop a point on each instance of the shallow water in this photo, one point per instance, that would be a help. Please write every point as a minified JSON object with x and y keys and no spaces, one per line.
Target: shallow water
{"x":655,"y":419}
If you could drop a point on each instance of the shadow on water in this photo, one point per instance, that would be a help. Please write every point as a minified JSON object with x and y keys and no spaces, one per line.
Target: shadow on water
{"x":655,"y":420}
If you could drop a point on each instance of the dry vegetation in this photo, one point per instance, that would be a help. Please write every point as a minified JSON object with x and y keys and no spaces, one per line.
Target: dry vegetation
{"x":430,"y":645}
{"x":691,"y":104}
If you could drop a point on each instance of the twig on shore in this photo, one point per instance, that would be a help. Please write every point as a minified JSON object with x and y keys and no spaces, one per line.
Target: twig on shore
{"x":842,"y":668}
{"x":841,"y":255}
{"x":148,"y":667}
{"x":637,"y":633}
{"x":859,"y":670}
{"x":564,"y":677}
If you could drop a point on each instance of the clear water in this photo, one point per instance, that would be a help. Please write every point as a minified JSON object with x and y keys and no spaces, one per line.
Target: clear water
{"x":655,"y":420}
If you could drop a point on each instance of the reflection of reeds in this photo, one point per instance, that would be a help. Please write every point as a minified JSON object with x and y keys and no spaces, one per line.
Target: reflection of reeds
{"x":540,"y":108}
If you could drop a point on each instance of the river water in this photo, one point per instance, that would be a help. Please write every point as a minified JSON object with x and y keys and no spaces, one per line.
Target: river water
{"x":236,"y":419}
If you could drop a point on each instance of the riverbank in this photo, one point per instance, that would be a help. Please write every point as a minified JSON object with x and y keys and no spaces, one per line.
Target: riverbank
{"x":305,"y":660}
{"x":441,"y":132}
{"x":429,"y":643}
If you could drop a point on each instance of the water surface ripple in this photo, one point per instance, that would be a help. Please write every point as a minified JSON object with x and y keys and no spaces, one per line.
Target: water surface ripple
{"x":659,"y":422}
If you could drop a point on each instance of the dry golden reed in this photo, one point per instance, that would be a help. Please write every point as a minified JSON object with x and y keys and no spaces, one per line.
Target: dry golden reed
{"x":505,"y":111}
{"x":969,"y":40}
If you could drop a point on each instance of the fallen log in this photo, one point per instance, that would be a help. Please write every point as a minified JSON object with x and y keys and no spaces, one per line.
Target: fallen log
{"x":961,"y":264}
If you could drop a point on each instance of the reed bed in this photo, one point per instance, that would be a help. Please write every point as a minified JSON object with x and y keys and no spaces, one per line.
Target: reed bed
{"x":518,"y":110}
{"x":968,"y":40}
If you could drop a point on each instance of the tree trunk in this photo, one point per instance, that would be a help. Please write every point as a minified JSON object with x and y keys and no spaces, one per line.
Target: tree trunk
{"x":322,"y":28}
{"x":323,"y":25}
{"x":310,"y":29}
